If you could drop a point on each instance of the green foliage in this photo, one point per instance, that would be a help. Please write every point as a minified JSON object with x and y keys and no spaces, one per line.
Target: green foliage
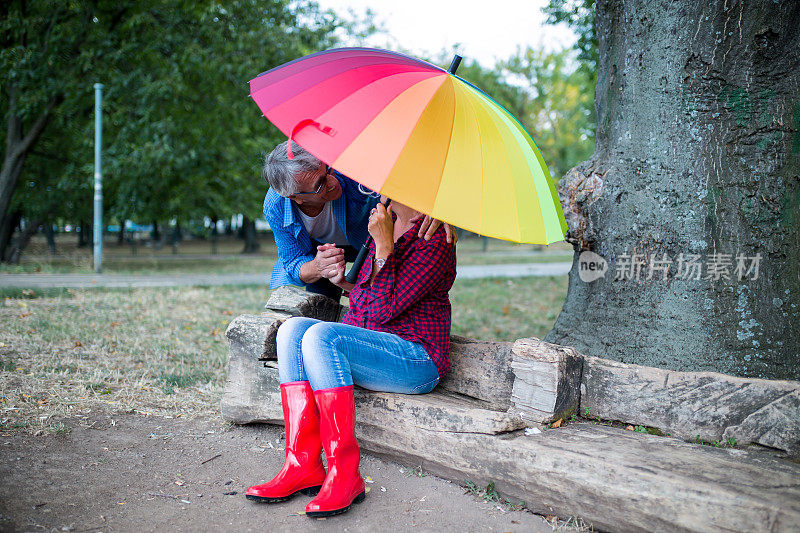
{"x":490,"y":495}
{"x":558,"y":109}
{"x":730,"y":442}
{"x":416,"y":472}
{"x":580,"y":16}
{"x":181,"y":136}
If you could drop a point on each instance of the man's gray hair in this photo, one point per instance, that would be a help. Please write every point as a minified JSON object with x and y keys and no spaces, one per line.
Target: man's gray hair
{"x":280,"y":171}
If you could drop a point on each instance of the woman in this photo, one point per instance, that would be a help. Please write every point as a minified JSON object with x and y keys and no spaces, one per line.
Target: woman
{"x":394,"y":338}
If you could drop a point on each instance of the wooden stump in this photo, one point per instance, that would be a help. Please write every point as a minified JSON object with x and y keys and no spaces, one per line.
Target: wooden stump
{"x":547,"y":379}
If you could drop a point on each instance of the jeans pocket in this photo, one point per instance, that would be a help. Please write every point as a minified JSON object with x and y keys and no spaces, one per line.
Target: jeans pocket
{"x":425,"y":387}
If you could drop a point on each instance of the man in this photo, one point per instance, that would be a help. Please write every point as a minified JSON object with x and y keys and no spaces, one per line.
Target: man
{"x":319,"y":219}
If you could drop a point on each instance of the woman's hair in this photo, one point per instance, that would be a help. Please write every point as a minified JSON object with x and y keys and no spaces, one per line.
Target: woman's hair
{"x":279,"y":171}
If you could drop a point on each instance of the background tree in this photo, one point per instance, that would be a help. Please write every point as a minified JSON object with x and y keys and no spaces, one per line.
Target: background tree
{"x":697,"y":152}
{"x":181,"y":137}
{"x":579,"y":15}
{"x":558,"y":108}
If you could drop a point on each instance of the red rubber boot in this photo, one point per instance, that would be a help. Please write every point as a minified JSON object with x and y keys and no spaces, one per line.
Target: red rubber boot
{"x":343,"y":485}
{"x":302,"y":470}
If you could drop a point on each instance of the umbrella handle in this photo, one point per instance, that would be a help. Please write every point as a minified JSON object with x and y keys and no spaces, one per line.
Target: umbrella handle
{"x":299,"y":126}
{"x":352,"y":276}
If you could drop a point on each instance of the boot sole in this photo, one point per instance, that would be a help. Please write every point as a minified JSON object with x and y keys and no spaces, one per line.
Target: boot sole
{"x":308,"y":491}
{"x":323,"y":514}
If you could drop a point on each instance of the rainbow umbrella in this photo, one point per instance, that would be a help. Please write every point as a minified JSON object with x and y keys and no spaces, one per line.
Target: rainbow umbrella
{"x":418,"y":134}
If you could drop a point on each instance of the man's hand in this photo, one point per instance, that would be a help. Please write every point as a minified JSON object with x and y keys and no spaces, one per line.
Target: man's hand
{"x":430,"y":225}
{"x":328,"y":256}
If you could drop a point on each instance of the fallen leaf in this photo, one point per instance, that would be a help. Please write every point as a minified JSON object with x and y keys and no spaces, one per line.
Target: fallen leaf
{"x":78,"y":343}
{"x":629,"y":428}
{"x":120,"y":503}
{"x":115,"y":324}
{"x":367,"y":489}
{"x":25,"y":315}
{"x":556,"y":424}
{"x":368,"y":479}
{"x":505,"y":309}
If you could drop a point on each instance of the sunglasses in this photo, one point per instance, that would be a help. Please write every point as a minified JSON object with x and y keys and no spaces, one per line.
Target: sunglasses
{"x":322,"y":182}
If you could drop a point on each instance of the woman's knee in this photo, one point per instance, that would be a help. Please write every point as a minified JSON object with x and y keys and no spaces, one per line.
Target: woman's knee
{"x":292,"y":329}
{"x":320,"y":337}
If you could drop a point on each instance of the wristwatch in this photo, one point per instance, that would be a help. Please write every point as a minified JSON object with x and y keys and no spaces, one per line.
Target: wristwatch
{"x":379,"y":263}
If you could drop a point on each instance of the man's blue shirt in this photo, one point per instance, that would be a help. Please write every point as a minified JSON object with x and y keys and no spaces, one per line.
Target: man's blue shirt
{"x":295,"y":248}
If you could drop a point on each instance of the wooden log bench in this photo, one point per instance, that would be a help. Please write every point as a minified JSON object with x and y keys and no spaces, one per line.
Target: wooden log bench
{"x":472,"y":426}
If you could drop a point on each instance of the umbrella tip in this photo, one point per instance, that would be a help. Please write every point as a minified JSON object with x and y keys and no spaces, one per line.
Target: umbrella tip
{"x":454,"y":64}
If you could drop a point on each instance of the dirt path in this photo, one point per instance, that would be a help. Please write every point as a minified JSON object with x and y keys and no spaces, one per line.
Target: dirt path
{"x":135,"y":473}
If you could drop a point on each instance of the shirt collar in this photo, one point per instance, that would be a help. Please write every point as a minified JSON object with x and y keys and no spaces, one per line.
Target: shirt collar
{"x":288,"y":212}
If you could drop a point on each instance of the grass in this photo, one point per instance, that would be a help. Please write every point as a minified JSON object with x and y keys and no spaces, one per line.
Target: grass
{"x":66,"y":353}
{"x":149,"y":351}
{"x":518,"y":307}
{"x":490,"y":495}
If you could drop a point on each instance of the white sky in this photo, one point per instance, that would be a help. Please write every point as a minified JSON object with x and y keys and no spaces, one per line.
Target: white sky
{"x":484,"y":30}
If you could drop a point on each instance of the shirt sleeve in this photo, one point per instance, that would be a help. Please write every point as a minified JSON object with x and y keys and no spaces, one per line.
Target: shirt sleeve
{"x":403,"y":282}
{"x":290,"y":253}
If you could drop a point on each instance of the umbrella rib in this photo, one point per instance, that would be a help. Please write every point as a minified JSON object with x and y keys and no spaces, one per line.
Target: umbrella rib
{"x":480,"y":144}
{"x":449,"y":136}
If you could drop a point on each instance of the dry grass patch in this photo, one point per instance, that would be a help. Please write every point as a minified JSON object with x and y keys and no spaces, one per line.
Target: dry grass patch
{"x":159,"y":351}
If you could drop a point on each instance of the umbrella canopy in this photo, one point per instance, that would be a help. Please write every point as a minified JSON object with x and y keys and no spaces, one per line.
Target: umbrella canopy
{"x":418,"y":134}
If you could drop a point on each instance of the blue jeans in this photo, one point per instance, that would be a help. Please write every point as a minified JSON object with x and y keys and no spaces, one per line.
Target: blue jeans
{"x":330,"y":354}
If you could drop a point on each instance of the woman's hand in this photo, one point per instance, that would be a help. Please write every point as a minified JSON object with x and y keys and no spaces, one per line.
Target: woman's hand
{"x":381,"y":227}
{"x":336,"y":276}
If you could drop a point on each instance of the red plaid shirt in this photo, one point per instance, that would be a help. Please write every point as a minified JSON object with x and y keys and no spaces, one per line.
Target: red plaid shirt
{"x":408,"y":296}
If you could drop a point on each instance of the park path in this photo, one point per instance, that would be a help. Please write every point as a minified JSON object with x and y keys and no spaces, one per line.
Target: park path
{"x":83,"y":281}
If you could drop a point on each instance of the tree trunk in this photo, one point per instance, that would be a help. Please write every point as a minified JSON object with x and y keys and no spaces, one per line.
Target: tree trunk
{"x":251,"y":244}
{"x":214,"y":234}
{"x":85,"y":234}
{"x":18,"y":145}
{"x":49,"y":235}
{"x":9,"y":224}
{"x":176,"y":236}
{"x":15,"y":250}
{"x":697,"y":152}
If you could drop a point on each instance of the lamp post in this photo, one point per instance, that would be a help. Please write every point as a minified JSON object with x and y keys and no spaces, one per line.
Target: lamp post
{"x":98,"y":178}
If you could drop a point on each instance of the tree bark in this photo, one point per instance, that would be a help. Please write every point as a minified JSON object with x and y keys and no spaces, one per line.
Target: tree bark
{"x":214,"y":234}
{"x":697,"y":152}
{"x":9,"y":224}
{"x":49,"y":235}
{"x":15,"y":250}
{"x":85,"y":234}
{"x":18,"y":145}
{"x":251,"y":244}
